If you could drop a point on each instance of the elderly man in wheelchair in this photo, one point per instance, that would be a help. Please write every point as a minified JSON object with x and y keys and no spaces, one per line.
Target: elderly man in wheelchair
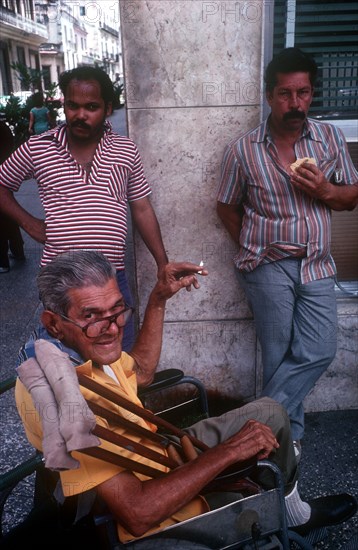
{"x":104,"y":442}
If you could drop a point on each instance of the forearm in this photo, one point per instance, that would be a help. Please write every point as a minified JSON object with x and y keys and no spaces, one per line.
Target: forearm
{"x":148,"y":345}
{"x":146,"y":350}
{"x":9,"y":205}
{"x":231,"y":217}
{"x":13,"y":209}
{"x":309,"y":179}
{"x":150,"y":502}
{"x":142,"y":505}
{"x":342,"y":197}
{"x":147,"y":224}
{"x":31,"y":122}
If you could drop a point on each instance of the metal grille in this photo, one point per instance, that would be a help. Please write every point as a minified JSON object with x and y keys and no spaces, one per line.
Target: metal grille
{"x":327,"y":30}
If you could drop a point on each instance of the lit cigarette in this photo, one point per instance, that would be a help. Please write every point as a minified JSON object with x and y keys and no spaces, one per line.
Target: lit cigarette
{"x":201,"y":265}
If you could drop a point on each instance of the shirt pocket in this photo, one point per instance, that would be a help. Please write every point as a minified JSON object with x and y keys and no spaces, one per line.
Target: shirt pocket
{"x":118,"y":182}
{"x":328,"y":165}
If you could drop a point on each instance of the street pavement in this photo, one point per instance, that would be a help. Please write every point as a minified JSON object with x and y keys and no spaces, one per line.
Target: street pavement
{"x":330,"y":447}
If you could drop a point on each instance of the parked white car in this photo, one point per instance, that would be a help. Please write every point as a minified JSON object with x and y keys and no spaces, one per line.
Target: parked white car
{"x":4,"y":100}
{"x":23,"y":96}
{"x":60,"y":115}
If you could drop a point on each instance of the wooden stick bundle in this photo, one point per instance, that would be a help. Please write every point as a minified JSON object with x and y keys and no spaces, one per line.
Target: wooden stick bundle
{"x":107,"y":393}
{"x":189,"y":444}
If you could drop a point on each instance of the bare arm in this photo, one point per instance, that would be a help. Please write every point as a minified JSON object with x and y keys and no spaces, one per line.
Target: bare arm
{"x":33,"y":226}
{"x":231,"y":217}
{"x":312,"y":181}
{"x":31,"y":123}
{"x":148,"y":345}
{"x":49,"y":120}
{"x":141,"y":505}
{"x":147,"y":224}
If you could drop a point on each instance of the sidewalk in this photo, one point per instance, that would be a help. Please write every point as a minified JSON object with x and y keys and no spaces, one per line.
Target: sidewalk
{"x":330,"y":449}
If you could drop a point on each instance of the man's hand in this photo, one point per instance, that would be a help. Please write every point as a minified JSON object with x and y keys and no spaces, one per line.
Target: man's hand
{"x":148,"y":345}
{"x":253,"y":440}
{"x":175,"y":276}
{"x":141,"y":505}
{"x":309,"y":179}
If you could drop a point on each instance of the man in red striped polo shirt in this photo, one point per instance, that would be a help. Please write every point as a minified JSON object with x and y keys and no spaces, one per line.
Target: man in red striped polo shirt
{"x":86,"y":175}
{"x":281,"y":219}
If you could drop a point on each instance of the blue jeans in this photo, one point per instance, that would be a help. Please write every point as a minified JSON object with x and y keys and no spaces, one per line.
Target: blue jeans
{"x":129,"y":332}
{"x":296,"y":325}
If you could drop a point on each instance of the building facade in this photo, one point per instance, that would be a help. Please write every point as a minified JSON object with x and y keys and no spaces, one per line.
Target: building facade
{"x":20,"y":38}
{"x":57,"y":35}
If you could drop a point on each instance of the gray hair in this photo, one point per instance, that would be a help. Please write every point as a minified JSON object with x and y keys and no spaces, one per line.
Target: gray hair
{"x":73,"y":269}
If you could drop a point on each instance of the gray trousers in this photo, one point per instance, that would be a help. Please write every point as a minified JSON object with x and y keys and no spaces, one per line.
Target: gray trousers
{"x":217,"y":429}
{"x":296,"y":325}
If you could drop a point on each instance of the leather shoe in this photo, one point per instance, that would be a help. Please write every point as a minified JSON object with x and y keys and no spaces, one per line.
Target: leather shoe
{"x":327,"y":511}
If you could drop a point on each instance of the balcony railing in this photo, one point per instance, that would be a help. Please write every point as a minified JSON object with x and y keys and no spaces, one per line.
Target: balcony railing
{"x":109,"y":29}
{"x":22,"y":23}
{"x":50,"y":47}
{"x":87,"y":60}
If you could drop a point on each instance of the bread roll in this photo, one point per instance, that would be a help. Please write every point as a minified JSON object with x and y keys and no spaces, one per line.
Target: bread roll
{"x":298,"y":163}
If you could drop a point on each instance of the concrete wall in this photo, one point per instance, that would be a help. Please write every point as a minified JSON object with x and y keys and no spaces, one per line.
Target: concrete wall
{"x":193,"y":74}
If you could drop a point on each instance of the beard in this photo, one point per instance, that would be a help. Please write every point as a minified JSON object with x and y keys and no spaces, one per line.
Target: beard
{"x":80,"y":131}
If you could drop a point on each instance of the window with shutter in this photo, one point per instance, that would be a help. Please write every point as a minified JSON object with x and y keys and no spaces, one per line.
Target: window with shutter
{"x":328,"y":30}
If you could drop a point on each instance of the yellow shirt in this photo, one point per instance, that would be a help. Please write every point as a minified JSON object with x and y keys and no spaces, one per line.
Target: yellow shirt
{"x":92,"y":471}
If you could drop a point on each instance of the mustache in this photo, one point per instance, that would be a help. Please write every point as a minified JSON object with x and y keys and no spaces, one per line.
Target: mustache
{"x":80,"y":124}
{"x":294,"y":114}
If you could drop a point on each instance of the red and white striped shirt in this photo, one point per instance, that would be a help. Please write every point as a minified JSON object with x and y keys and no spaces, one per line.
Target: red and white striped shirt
{"x":279,"y":220}
{"x":87,"y":213}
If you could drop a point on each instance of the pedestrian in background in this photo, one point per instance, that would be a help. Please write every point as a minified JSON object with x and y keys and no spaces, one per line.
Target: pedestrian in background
{"x":40,"y":119}
{"x":10,"y":234}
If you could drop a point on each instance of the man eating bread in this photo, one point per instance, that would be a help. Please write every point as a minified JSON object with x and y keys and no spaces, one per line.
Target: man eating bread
{"x":279,"y":183}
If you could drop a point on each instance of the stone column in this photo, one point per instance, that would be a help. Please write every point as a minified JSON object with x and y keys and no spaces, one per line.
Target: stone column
{"x":193,"y":83}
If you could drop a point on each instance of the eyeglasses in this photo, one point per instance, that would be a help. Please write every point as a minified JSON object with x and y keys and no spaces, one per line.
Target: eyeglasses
{"x":96,"y":328}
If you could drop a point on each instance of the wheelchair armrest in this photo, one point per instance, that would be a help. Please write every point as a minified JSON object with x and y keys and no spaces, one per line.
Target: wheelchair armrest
{"x":7,"y":384}
{"x":10,"y":479}
{"x":162,"y":379}
{"x":14,"y":476}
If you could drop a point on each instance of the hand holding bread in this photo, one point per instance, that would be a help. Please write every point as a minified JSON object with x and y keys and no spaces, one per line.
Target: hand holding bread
{"x":311,"y":181}
{"x":299,"y":162}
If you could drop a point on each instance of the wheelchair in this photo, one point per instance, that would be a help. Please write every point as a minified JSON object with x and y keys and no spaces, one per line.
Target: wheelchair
{"x":255,"y":521}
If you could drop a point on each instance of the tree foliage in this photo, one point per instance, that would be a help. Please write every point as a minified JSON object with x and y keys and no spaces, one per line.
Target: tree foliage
{"x":31,"y":79}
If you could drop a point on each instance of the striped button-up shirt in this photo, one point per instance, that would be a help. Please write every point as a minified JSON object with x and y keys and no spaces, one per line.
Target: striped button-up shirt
{"x":80,"y":211}
{"x":279,"y":220}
